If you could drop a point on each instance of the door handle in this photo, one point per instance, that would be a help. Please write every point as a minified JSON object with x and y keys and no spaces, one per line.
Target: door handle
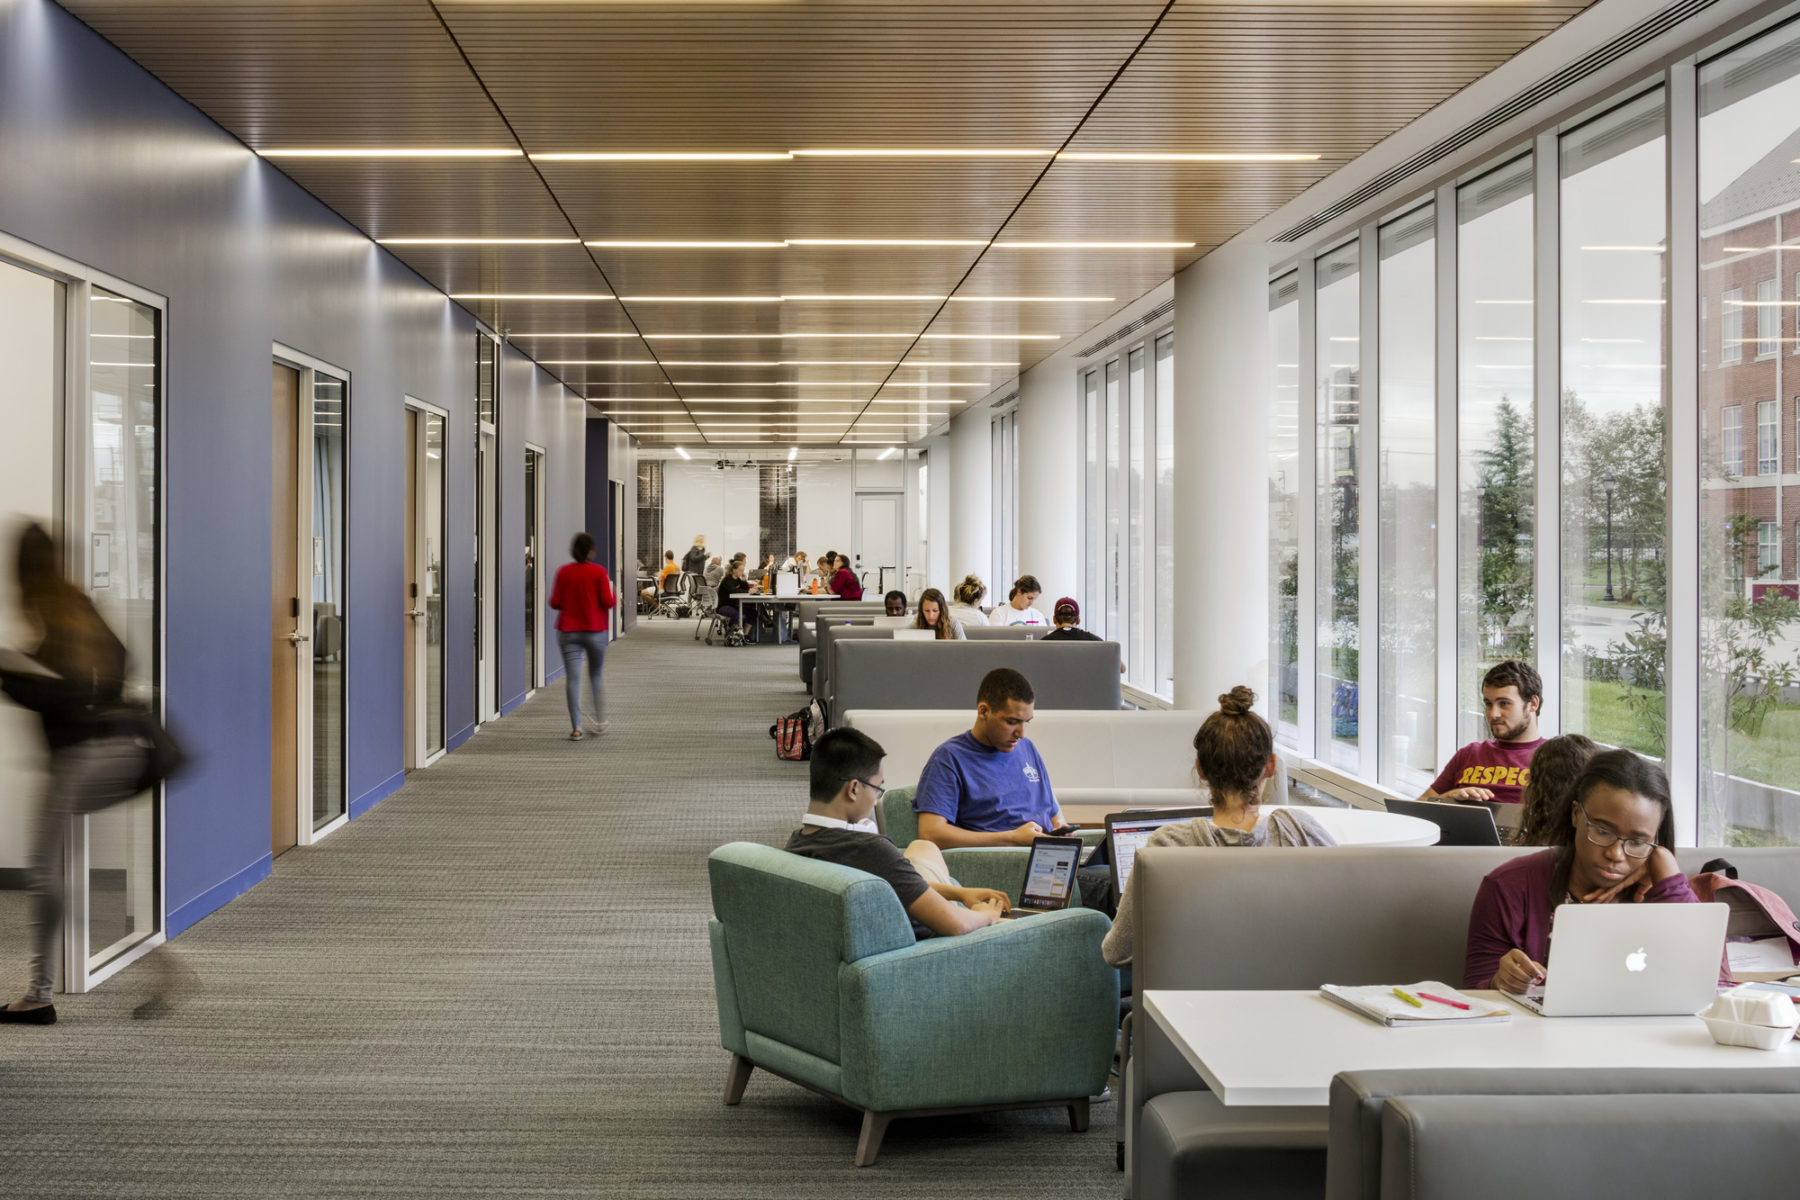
{"x":416,"y":612}
{"x":297,"y":638}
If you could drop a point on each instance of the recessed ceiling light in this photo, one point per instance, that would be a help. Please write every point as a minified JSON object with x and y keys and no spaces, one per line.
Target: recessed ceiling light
{"x":648,"y":412}
{"x":1031,"y":299}
{"x":992,"y":337}
{"x":934,"y":384}
{"x":665,"y":156}
{"x":928,"y":364}
{"x":395,"y":152}
{"x":701,"y":299}
{"x":827,"y":383}
{"x":520,"y":337}
{"x":682,"y":452}
{"x":869,"y":296}
{"x":887,"y":454}
{"x":1153,"y":156}
{"x":596,"y":362}
{"x":793,"y":452}
{"x":1093,"y":245}
{"x":478,"y":241}
{"x":538,"y":296}
{"x":764,"y":337}
{"x":888,"y":242}
{"x":654,"y":245}
{"x":955,"y":153}
{"x":1628,"y":249}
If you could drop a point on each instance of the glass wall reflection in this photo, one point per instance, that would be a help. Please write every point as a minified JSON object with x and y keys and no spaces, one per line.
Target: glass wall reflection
{"x":328,"y":612}
{"x":1338,"y":364}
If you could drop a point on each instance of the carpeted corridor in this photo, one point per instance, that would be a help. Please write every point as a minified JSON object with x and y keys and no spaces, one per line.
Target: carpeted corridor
{"x":496,"y":984}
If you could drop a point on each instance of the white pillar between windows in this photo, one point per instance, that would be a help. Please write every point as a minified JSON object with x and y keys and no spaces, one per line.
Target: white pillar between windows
{"x":1050,"y":524}
{"x":938,"y":506}
{"x":1223,"y":382}
{"x":971,"y":500}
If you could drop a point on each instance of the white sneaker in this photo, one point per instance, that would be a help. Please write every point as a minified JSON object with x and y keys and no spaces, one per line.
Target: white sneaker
{"x":597,"y":726}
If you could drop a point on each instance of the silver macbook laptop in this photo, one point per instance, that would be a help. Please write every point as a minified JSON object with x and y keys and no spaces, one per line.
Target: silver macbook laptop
{"x":1631,"y":960}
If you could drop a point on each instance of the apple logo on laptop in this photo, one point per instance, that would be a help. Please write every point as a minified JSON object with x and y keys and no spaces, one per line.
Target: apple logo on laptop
{"x":1637,"y":961}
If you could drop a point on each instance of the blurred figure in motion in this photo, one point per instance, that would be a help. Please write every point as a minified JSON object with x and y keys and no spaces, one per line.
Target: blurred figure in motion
{"x":74,"y":680}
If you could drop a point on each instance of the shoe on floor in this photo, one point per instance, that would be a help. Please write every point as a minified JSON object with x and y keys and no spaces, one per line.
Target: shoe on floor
{"x":597,"y":727}
{"x":27,"y":1016}
{"x":1104,"y":1096}
{"x":574,"y":735}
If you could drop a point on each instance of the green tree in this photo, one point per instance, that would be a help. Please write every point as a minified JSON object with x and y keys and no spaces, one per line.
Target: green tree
{"x":1505,"y":490}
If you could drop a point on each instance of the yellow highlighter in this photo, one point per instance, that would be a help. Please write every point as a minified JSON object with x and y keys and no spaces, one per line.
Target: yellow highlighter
{"x":1410,"y":999}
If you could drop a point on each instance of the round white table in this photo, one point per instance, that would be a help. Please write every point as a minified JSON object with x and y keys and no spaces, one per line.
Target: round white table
{"x":1365,"y":827}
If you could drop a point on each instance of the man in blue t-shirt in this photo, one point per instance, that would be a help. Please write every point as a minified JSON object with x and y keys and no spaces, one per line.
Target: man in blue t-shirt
{"x":988,"y":787}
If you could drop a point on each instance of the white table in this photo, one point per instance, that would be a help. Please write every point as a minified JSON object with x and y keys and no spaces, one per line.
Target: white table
{"x":1283,"y":1048}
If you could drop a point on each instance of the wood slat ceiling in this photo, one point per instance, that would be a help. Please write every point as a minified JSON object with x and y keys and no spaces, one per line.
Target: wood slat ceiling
{"x":1329,"y":78}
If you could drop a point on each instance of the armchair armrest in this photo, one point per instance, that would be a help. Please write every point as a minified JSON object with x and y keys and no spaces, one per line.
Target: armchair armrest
{"x":1023,"y":1010}
{"x":1002,"y":867}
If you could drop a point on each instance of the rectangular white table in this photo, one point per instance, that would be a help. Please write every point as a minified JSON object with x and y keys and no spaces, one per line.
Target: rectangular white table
{"x":1283,"y":1048}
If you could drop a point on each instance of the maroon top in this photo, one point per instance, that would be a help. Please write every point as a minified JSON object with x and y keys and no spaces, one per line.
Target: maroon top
{"x":583,"y":597}
{"x":1512,"y":911}
{"x":1503,"y":768}
{"x":845,"y":586}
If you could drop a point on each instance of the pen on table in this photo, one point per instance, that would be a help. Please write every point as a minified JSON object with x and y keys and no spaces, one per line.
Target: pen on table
{"x":1441,"y":1000}
{"x":1409,"y":999}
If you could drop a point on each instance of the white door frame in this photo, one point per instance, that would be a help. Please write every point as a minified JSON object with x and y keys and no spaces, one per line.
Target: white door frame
{"x":535,"y":668}
{"x":421,"y":756}
{"x":310,"y":367}
{"x":899,"y":564}
{"x":487,"y":503}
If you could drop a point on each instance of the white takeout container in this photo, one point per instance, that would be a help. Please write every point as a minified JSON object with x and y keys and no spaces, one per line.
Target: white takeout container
{"x":1753,"y":1017}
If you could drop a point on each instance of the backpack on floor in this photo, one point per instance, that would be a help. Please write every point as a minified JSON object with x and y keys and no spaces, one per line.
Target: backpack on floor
{"x":793,"y":740}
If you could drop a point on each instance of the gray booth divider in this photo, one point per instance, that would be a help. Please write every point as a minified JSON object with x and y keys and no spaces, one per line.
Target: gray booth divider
{"x":825,"y":665}
{"x":883,"y":673}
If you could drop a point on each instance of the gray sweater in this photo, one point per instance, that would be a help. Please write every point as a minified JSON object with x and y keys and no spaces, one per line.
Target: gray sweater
{"x":1282,"y":827}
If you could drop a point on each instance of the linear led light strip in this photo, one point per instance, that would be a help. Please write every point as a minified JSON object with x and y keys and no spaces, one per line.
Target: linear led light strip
{"x":825,"y":299}
{"x":778,"y":337}
{"x":671,"y":156}
{"x":713,"y":245}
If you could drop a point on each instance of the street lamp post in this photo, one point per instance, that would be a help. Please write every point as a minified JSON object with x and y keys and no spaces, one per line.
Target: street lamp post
{"x":1607,"y":484}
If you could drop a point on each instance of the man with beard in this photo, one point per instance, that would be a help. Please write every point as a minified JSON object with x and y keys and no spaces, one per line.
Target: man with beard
{"x":1497,"y":770}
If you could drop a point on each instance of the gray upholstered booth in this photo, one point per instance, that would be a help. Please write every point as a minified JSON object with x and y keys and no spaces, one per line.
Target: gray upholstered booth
{"x":829,"y":635}
{"x":807,"y":618}
{"x":883,"y":673}
{"x":1350,"y":916}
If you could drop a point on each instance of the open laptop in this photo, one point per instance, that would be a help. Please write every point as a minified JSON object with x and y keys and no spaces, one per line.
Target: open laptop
{"x":915,"y":635}
{"x":1631,"y":960}
{"x":1127,"y":832}
{"x":1049,"y":876}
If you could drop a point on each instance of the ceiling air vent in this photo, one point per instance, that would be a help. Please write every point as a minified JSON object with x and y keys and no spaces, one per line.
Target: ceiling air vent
{"x":1524,"y":102}
{"x":1150,"y":318}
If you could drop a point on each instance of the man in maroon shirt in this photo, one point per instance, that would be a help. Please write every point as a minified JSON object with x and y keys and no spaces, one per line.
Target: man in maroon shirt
{"x":1499,"y":768}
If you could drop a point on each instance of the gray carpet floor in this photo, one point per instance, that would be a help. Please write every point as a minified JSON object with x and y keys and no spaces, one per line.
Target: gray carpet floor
{"x":495,"y":984}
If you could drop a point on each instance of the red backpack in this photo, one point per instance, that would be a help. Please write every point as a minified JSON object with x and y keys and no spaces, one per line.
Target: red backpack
{"x":793,"y":740}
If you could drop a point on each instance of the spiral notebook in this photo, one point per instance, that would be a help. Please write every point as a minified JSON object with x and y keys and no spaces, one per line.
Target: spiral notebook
{"x":1437,"y":1004}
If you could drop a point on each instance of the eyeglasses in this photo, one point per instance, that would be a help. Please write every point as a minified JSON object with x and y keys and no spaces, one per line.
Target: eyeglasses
{"x":879,"y":790}
{"x":1602,"y":835}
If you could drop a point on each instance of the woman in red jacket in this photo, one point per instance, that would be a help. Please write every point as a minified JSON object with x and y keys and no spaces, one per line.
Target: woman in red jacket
{"x":583,"y":599}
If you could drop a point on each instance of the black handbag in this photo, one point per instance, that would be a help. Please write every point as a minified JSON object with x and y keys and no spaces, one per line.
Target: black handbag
{"x":164,"y":755}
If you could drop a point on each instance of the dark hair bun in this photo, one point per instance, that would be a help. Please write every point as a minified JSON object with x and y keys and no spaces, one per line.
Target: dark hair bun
{"x":1238,"y":701}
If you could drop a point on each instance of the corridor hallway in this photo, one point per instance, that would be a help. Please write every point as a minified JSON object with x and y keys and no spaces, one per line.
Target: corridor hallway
{"x":495,"y":984}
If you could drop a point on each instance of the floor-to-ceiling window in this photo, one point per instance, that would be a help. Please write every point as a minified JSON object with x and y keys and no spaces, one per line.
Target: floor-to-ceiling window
{"x":1286,"y":509}
{"x":1614,"y":441}
{"x":1164,"y":584}
{"x":1337,"y":355}
{"x":1495,"y":443}
{"x":1749,"y":241}
{"x":1406,"y":358}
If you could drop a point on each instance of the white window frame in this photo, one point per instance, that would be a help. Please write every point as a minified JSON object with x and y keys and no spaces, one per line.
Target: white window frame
{"x":1768,"y":318}
{"x":1731,"y":326}
{"x":1768,"y":419}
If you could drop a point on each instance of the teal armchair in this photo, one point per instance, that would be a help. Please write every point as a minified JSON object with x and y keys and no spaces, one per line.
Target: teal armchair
{"x":820,"y":981}
{"x":998,"y":867}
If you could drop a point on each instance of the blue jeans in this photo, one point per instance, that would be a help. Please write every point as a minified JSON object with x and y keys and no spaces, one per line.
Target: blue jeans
{"x":574,"y":644}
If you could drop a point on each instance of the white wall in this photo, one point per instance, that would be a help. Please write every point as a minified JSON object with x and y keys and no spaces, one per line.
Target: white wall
{"x":1049,"y":519}
{"x":700,"y":498}
{"x":1222,"y":414}
{"x":824,"y":499}
{"x":938,"y":504}
{"x":970,"y":501}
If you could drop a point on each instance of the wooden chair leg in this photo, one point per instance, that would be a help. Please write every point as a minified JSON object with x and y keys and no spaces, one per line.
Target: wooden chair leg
{"x":737,"y":1077}
{"x":1078,"y":1116}
{"x":874,"y":1128}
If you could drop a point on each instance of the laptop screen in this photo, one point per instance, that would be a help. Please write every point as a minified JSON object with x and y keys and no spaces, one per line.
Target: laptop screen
{"x":1050,"y":873}
{"x":1127,"y":833}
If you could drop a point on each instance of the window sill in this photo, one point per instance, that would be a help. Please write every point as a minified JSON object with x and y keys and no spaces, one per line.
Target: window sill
{"x":1138,"y":698}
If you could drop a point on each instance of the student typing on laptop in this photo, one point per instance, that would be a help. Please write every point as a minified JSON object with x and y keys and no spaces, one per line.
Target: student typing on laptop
{"x":1616,"y":849}
{"x":1234,"y":752}
{"x":839,"y":827}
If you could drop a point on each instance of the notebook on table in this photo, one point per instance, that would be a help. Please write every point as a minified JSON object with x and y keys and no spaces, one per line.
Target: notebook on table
{"x":1631,"y":960}
{"x":1413,"y":1004}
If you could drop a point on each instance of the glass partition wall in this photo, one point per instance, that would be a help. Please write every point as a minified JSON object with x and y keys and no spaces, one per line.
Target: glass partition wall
{"x":1617,"y":377}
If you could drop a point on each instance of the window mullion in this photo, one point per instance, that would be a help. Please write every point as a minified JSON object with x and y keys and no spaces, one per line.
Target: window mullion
{"x":1682,"y":601}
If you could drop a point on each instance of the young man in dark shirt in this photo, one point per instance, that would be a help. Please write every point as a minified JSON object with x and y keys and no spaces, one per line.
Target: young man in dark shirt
{"x":1067,"y":615}
{"x":1499,"y":768}
{"x":839,"y":827}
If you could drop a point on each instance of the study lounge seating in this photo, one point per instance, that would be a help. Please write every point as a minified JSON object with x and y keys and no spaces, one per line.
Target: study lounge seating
{"x":806,"y":620}
{"x":1353,"y":916}
{"x":831,"y":634}
{"x":819,"y":980}
{"x":883,"y":673}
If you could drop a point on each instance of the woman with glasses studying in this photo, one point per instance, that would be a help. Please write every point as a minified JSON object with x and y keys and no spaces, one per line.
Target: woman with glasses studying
{"x":1615,"y":849}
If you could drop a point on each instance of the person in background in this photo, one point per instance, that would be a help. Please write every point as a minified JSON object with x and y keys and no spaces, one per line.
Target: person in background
{"x":715,"y":571}
{"x":768,"y":567}
{"x":1618,"y":848}
{"x":838,"y":827}
{"x":1068,"y":623}
{"x":1234,"y":752}
{"x":1499,"y":768}
{"x":894,"y":603}
{"x":694,"y":561}
{"x":669,"y":567}
{"x":844,"y":583}
{"x":582,"y":596}
{"x":730,"y":588}
{"x":968,"y":595}
{"x":796,"y":562}
{"x":935,"y":614}
{"x":1017,"y":610}
{"x":74,"y":679}
{"x":1544,"y":819}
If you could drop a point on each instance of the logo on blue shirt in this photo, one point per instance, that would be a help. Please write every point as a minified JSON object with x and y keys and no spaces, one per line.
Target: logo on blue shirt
{"x":1031,"y":774}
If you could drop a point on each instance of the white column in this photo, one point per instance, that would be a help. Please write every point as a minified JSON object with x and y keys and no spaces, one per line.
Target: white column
{"x":970,"y":501}
{"x":938,"y":506}
{"x":1222,"y":411}
{"x":1049,"y":520}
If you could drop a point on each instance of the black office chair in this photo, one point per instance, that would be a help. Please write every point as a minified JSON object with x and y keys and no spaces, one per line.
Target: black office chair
{"x":1458,"y":824}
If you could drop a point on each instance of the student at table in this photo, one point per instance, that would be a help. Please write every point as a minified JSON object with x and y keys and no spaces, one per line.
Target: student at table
{"x":968,"y":595}
{"x":844,"y":583}
{"x":894,"y":603}
{"x":730,"y":588}
{"x":1498,"y":768}
{"x":1067,"y":614}
{"x":669,"y":567}
{"x":1616,"y":849}
{"x":935,"y":614}
{"x":1545,"y":808}
{"x":839,"y":827}
{"x":1234,"y":752}
{"x":715,"y":571}
{"x":1018,"y":608}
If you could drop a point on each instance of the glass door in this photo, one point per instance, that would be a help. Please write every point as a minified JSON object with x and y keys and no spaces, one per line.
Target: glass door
{"x":431,"y":580}
{"x":325,"y":476}
{"x":534,"y":488}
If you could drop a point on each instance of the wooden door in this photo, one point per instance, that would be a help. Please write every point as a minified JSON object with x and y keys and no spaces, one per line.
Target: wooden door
{"x":284,"y":593}
{"x":409,"y":622}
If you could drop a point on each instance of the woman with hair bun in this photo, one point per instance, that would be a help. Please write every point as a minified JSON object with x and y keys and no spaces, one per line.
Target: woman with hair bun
{"x":1234,"y":753}
{"x":967,"y":595}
